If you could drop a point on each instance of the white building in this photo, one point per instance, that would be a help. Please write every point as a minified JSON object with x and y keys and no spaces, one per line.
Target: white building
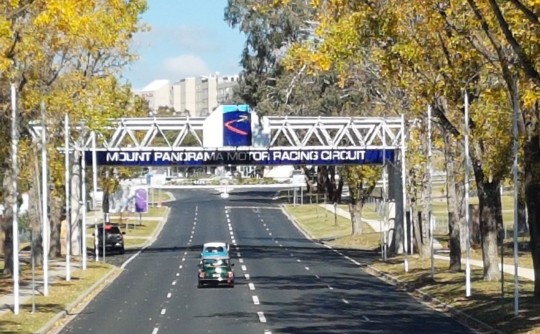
{"x":158,"y":93}
{"x":193,"y":96}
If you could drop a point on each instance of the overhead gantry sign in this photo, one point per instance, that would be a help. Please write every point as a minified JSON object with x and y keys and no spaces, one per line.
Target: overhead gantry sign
{"x":235,"y":135}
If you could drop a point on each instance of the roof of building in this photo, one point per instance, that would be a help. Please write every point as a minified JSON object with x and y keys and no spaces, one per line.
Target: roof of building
{"x":155,"y":85}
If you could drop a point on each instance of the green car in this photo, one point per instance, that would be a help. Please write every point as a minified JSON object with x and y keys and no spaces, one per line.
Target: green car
{"x":215,"y":270}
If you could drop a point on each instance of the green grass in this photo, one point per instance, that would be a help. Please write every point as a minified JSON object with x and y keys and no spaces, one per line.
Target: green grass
{"x":486,"y":302}
{"x":61,"y":294}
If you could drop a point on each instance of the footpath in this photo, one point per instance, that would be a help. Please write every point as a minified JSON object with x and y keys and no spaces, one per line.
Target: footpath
{"x":376,"y":225}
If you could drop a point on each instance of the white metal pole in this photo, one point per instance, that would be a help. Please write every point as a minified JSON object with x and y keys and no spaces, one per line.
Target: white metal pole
{"x":83,"y":206}
{"x":430,"y":173}
{"x":67,"y":186}
{"x":404,"y":192}
{"x":384,"y":228}
{"x":516,"y":225}
{"x":15,"y":226}
{"x":94,"y":192}
{"x":45,"y":203}
{"x":467,"y":220}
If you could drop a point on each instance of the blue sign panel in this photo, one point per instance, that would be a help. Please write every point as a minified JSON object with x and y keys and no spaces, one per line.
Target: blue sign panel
{"x":236,"y":125}
{"x":260,"y":157}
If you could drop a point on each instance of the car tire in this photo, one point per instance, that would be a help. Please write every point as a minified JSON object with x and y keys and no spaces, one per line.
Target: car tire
{"x":199,"y":285}
{"x":231,"y":285}
{"x":122,"y":250}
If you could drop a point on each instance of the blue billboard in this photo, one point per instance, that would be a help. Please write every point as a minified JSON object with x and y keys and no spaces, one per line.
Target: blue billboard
{"x":240,"y":157}
{"x":236,"y":125}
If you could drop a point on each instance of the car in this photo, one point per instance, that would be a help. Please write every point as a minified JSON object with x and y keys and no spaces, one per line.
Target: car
{"x":216,"y":248}
{"x":215,"y":270}
{"x":114,"y":238}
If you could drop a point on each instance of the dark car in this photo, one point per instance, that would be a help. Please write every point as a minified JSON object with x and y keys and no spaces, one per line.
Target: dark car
{"x":114,"y":238}
{"x":215,"y":270}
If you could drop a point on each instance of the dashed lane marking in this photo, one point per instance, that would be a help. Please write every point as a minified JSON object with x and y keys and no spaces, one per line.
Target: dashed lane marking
{"x":256,"y":300}
{"x":169,"y":295}
{"x":244,"y":268}
{"x":155,"y":330}
{"x":163,"y":311}
{"x":365,"y":318}
{"x":307,"y":268}
{"x":174,"y":282}
{"x":262,"y":318}
{"x":251,"y":286}
{"x":331,"y":288}
{"x":246,"y":276}
{"x":345,"y":301}
{"x":241,"y":260}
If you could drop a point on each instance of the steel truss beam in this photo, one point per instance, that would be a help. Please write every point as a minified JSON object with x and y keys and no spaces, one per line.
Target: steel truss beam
{"x":183,"y":133}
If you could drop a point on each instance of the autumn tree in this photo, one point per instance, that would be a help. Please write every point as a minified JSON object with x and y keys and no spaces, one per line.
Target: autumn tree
{"x":64,"y":55}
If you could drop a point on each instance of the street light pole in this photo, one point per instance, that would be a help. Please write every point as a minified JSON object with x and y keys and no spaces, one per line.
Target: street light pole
{"x":45,"y":202}
{"x":15,"y":226}
{"x":467,"y":220}
{"x":67,"y":186}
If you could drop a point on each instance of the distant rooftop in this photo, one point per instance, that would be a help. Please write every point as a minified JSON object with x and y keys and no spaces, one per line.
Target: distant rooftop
{"x":154,"y":85}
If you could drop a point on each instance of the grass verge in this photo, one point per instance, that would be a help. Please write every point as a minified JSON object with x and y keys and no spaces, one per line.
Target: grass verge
{"x":490,"y":302}
{"x":61,"y":295}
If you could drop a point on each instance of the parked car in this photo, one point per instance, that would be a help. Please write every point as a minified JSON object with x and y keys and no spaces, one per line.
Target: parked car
{"x":114,"y":238}
{"x":215,"y":270}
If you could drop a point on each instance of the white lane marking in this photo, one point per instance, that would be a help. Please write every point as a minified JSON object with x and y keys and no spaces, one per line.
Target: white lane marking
{"x":238,"y":254}
{"x":267,"y":229}
{"x":183,"y":259}
{"x":177,"y":274}
{"x":264,"y":225}
{"x":262,"y":318}
{"x":345,"y":301}
{"x":251,"y":286}
{"x":155,"y":330}
{"x":331,"y":288}
{"x":365,"y":318}
{"x":241,"y":260}
{"x":180,"y":267}
{"x":244,"y":268}
{"x":185,"y":253}
{"x":269,"y":233}
{"x":228,"y":220}
{"x":246,"y":276}
{"x":237,"y":248}
{"x":256,"y":300}
{"x":317,"y":277}
{"x":169,"y":295}
{"x":174,"y":282}
{"x":307,"y":268}
{"x":231,"y":233}
{"x":292,"y":254}
{"x":267,"y":332}
{"x":276,"y":241}
{"x":280,"y":245}
{"x":163,"y":311}
{"x":298,"y":260}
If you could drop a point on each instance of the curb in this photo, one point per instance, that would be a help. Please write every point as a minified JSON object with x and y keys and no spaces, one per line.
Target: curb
{"x":431,"y":301}
{"x":102,"y":282}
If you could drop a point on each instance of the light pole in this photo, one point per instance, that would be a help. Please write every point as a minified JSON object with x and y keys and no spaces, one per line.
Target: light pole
{"x":15,"y":226}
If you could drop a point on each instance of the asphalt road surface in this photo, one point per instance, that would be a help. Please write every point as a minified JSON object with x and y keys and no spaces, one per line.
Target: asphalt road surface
{"x":285,"y":283}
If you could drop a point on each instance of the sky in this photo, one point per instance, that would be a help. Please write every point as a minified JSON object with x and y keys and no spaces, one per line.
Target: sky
{"x":186,"y":38}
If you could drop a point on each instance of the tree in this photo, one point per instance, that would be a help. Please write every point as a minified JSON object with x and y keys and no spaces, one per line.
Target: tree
{"x":65,"y":54}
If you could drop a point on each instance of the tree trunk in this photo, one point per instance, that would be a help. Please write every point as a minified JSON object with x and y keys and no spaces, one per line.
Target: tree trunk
{"x":75,"y":207}
{"x":355,"y":210}
{"x":34,"y":216}
{"x":454,"y":217}
{"x":56,"y":220}
{"x":532,"y":195}
{"x":489,"y":199}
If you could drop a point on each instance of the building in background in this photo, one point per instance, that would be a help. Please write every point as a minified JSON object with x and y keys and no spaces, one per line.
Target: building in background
{"x":193,"y":96}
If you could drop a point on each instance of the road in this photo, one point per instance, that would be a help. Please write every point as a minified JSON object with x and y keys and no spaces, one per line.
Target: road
{"x":285,"y":283}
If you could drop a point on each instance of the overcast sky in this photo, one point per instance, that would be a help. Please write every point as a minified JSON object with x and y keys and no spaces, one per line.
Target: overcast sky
{"x":186,"y":38}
